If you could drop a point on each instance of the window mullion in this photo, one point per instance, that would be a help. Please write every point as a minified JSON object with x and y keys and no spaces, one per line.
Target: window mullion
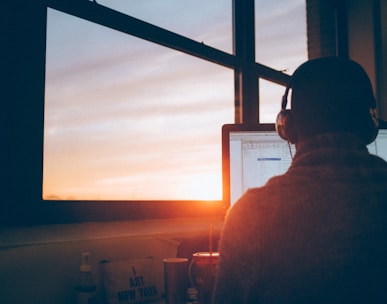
{"x":246,"y":80}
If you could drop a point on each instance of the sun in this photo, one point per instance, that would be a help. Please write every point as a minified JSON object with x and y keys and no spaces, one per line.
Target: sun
{"x":206,"y":186}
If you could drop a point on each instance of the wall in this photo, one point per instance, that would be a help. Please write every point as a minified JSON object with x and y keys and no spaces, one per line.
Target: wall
{"x":361,"y":38}
{"x":383,"y":60}
{"x":354,"y":29}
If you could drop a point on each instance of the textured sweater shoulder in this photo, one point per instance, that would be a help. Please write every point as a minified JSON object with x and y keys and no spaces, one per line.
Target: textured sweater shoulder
{"x":316,"y":234}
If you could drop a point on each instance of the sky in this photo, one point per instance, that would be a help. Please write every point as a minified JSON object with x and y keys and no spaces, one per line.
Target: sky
{"x":126,"y":119}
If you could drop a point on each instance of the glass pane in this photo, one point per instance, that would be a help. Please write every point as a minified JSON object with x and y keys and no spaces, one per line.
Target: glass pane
{"x":280,"y":31}
{"x":270,"y":98}
{"x":204,"y":21}
{"x":126,"y":119}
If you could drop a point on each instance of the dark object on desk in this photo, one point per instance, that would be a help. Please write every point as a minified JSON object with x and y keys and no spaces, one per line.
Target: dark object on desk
{"x":175,"y":280}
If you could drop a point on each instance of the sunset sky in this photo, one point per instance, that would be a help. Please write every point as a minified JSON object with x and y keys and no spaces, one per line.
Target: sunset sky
{"x":130,"y":120}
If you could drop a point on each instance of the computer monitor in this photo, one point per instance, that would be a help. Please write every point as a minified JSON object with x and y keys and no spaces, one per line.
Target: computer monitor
{"x":252,"y":154}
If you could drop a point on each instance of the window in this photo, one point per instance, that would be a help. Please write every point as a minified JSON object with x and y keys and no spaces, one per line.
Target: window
{"x":127,"y":119}
{"x":110,"y":62}
{"x":211,"y":24}
{"x":270,"y":96}
{"x":280,"y":43}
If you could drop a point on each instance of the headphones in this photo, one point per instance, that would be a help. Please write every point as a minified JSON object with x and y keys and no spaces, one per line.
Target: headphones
{"x":284,"y":124}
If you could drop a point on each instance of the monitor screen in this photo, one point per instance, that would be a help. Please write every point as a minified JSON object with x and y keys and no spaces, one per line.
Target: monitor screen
{"x":252,"y":154}
{"x":379,"y":145}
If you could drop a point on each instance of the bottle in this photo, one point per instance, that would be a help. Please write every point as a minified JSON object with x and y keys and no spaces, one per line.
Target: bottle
{"x":86,"y":286}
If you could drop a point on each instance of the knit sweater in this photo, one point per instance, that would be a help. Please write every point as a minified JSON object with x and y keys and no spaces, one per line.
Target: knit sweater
{"x":317,"y":234}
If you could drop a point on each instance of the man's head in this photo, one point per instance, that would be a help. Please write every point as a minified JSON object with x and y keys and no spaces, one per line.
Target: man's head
{"x":329,"y":94}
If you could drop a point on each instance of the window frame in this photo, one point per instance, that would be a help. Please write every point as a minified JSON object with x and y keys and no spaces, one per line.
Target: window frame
{"x":28,"y":207}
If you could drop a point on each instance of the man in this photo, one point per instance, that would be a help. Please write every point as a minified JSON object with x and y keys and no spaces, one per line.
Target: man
{"x":318,"y":233}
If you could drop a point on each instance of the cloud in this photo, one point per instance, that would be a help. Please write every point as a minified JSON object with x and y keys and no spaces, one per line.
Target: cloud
{"x":122,"y":113}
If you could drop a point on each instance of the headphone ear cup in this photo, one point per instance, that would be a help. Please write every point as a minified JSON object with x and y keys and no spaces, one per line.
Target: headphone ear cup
{"x":285,"y":127}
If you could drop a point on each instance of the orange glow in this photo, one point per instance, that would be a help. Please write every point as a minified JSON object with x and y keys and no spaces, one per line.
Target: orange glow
{"x":190,"y":187}
{"x":204,"y":187}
